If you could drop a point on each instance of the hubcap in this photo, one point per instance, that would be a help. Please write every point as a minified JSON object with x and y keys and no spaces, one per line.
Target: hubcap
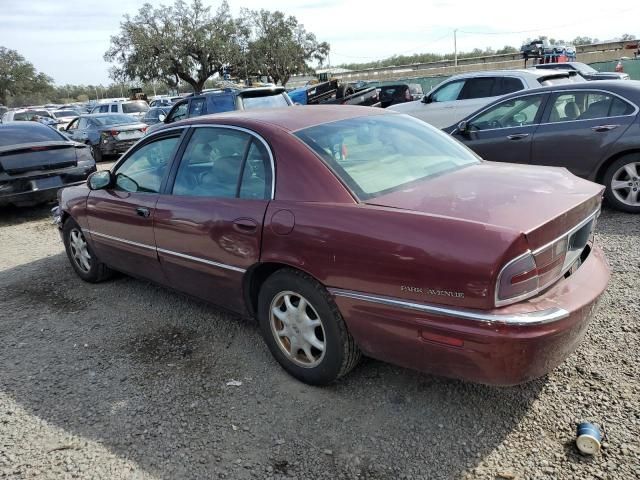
{"x":79,"y":250}
{"x":297,"y":329}
{"x":625,"y":184}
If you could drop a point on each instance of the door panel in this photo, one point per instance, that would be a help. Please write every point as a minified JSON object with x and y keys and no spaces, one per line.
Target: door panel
{"x":206,"y":244}
{"x":580,"y":128}
{"x":121,"y":236}
{"x":209,"y":230}
{"x":504,"y":132}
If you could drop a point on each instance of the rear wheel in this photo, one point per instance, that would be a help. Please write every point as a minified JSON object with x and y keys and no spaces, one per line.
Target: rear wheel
{"x":622,"y":182}
{"x":83,"y":260}
{"x":304,"y":329}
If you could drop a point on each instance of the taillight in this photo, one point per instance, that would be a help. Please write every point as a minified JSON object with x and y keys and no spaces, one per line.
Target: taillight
{"x":114,"y":133}
{"x":532,"y":272}
{"x":143,"y":129}
{"x":407,"y":95}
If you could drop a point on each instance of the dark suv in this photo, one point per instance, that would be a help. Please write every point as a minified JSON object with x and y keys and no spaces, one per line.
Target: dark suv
{"x":225,"y":100}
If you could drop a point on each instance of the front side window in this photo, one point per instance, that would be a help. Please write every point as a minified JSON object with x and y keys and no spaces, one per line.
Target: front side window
{"x":448,"y":92}
{"x":82,"y":123}
{"x":145,"y":168}
{"x":375,"y":155}
{"x":515,"y":112}
{"x":114,"y":108}
{"x":179,"y":112}
{"x":222,"y":163}
{"x":73,"y":125}
{"x":585,"y":105}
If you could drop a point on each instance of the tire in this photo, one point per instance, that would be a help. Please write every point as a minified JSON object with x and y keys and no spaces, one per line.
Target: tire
{"x":97,"y":153}
{"x":284,"y":291}
{"x":344,"y":91}
{"x":74,"y":242}
{"x":622,"y":183}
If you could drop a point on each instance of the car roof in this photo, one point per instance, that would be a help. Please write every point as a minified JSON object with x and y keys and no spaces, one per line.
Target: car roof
{"x":505,"y":73}
{"x":289,"y":118}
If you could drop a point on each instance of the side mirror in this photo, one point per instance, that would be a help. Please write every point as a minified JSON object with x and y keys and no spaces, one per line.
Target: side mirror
{"x":100,"y":179}
{"x":162,"y":117}
{"x":463,"y":127}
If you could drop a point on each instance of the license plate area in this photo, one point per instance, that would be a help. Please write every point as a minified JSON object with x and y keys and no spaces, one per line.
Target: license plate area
{"x":129,"y":135}
{"x":46,"y":183}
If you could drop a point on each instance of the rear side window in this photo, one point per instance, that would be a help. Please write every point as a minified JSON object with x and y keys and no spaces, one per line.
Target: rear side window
{"x":114,"y":108}
{"x":14,"y":134}
{"x":179,"y":113}
{"x":481,"y":87}
{"x":506,"y":85}
{"x":268,"y":101}
{"x":585,"y":105}
{"x":220,"y":103}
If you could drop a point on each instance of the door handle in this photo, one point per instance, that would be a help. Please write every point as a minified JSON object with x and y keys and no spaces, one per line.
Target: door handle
{"x":604,"y":128}
{"x":143,"y":212}
{"x":245,"y":225}
{"x":517,"y":136}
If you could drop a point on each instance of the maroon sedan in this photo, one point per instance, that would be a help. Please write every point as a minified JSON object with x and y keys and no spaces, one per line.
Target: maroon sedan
{"x":348,"y":230}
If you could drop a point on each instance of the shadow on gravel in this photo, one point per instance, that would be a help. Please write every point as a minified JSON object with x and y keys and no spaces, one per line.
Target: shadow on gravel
{"x":144,"y":372}
{"x":15,"y":215}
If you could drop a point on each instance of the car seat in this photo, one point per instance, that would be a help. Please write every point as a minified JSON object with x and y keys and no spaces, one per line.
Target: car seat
{"x":571,"y":111}
{"x":596,"y":110}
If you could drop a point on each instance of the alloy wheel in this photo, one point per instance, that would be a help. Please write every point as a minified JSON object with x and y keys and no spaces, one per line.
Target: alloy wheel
{"x":625,"y":184}
{"x":79,"y":250}
{"x":297,"y":329}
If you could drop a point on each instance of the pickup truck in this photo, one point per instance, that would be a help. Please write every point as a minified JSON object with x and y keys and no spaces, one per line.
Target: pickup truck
{"x":333,"y":92}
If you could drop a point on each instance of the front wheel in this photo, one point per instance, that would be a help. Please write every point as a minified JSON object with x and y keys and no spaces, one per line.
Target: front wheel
{"x":83,"y":260}
{"x":622,"y":182}
{"x":303,"y":328}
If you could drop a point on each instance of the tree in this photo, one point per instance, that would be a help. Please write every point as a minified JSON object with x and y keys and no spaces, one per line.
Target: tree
{"x":626,"y":37}
{"x":179,"y":42}
{"x":280,"y":46}
{"x":584,"y":41}
{"x":19,"y":77}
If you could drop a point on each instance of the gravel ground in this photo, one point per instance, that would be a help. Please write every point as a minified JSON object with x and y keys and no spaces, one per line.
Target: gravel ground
{"x":129,"y":380}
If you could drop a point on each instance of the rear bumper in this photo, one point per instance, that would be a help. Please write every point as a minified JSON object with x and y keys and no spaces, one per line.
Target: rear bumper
{"x":25,"y":191}
{"x":505,"y":346}
{"x":116,"y":148}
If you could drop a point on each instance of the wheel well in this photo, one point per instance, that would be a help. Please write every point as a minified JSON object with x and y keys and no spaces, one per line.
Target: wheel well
{"x":253,"y":280}
{"x":605,"y":165}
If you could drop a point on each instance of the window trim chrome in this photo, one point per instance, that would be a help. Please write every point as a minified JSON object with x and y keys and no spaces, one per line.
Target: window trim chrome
{"x":232,"y":127}
{"x":551,"y":93}
{"x":549,"y":315}
{"x":565,"y":267}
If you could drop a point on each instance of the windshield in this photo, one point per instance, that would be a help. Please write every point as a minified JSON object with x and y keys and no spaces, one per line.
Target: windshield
{"x":135,"y":107}
{"x":269,"y":101}
{"x":115,"y":119}
{"x":375,"y":155}
{"x":17,"y":134}
{"x":66,"y":113}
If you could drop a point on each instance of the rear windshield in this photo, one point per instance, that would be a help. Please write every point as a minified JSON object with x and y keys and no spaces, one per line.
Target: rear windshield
{"x":395,"y":91}
{"x":546,"y":82}
{"x":268,"y":101}
{"x":115,"y":119}
{"x":375,"y":155}
{"x":11,"y":134}
{"x":135,"y":107}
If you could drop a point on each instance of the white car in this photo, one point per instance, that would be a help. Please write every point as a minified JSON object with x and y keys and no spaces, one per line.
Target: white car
{"x":461,"y":95}
{"x":26,"y":114}
{"x":134,"y":108}
{"x":65,"y":116}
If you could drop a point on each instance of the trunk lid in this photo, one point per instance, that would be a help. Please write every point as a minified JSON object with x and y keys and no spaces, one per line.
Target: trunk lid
{"x":541,"y":202}
{"x":127,"y":131}
{"x":21,"y":158}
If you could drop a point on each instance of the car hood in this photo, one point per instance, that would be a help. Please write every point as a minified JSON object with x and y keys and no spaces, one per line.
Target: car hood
{"x":520,"y":198}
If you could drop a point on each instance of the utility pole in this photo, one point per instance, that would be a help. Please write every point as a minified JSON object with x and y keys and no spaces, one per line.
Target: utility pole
{"x":455,"y":48}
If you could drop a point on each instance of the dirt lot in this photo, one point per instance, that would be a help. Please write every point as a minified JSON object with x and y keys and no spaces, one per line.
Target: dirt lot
{"x":129,"y":380}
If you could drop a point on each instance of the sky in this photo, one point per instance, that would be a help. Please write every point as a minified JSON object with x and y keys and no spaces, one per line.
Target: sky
{"x":66,"y":39}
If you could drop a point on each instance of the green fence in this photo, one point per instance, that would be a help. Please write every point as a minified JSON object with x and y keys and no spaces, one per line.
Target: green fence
{"x":631,"y":66}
